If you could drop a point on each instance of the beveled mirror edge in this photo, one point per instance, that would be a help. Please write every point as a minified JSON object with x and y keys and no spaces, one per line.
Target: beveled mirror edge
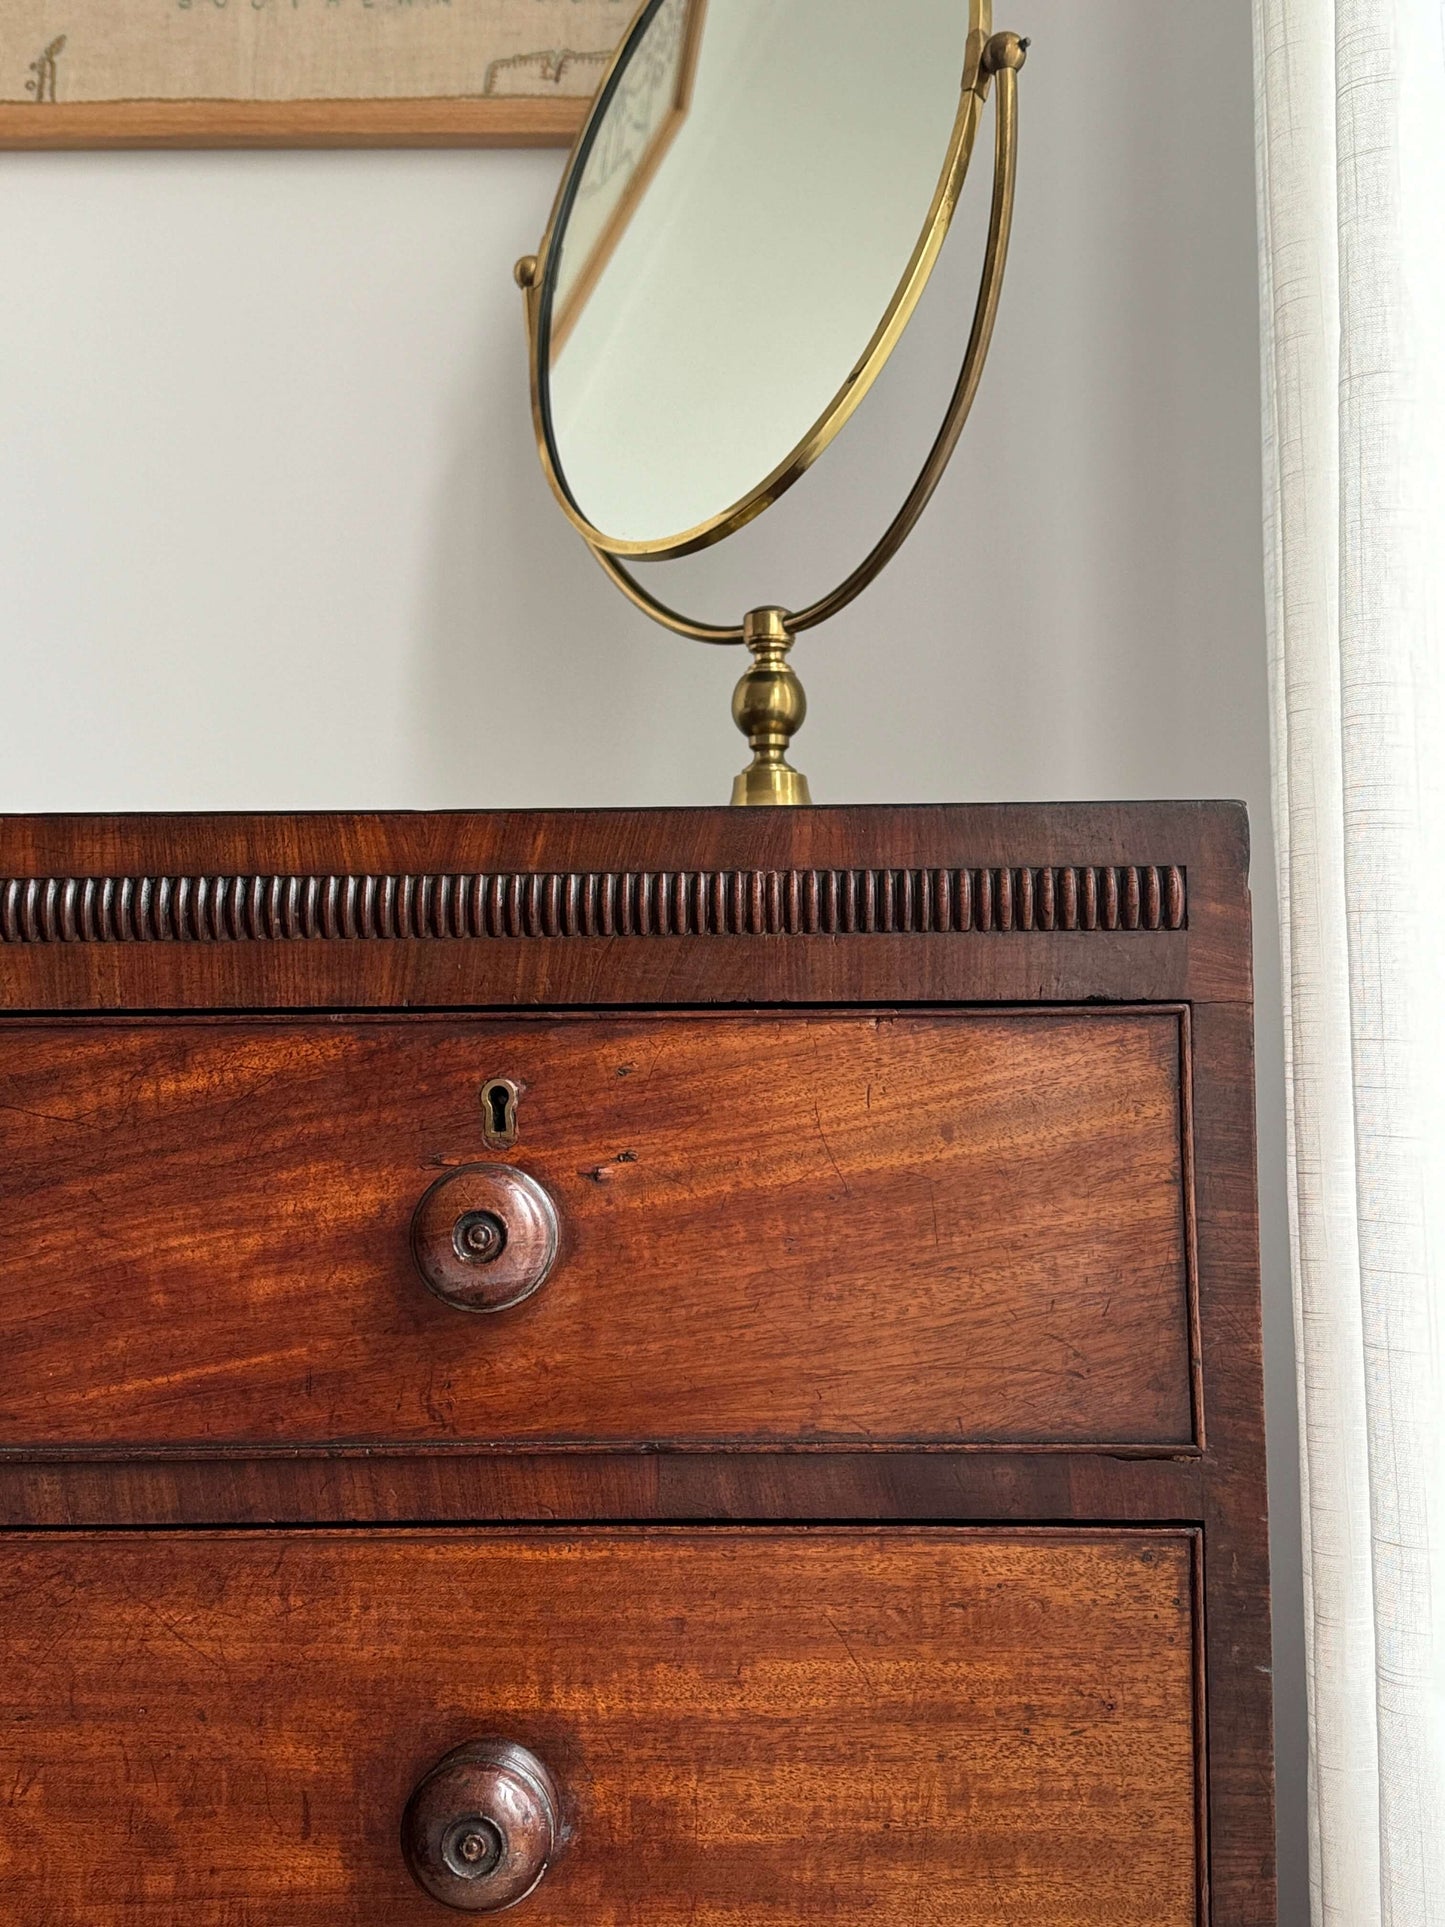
{"x":532,"y":278}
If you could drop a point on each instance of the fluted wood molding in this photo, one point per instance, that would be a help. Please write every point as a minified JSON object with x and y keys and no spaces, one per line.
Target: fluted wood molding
{"x":650,"y":903}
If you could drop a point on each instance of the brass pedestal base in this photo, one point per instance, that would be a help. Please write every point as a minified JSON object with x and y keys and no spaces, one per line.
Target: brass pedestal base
{"x":769,"y":707}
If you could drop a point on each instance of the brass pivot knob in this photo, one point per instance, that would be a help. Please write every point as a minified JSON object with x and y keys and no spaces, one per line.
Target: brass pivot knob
{"x":483,"y":1827}
{"x":1005,"y":50}
{"x":485,"y":1237}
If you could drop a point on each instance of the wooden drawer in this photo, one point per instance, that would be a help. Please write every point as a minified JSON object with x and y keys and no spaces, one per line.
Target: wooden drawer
{"x":902,"y":1169}
{"x":959,"y":1228}
{"x":893,"y":1727}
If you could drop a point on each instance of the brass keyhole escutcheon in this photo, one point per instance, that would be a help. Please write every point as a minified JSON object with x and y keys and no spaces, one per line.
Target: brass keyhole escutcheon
{"x":499,"y":1112}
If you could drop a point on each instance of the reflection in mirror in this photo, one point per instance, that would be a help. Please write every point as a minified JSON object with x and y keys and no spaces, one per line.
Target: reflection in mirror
{"x":749,"y":204}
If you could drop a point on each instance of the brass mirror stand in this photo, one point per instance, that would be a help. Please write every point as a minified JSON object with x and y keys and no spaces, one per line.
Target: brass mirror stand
{"x":769,"y":705}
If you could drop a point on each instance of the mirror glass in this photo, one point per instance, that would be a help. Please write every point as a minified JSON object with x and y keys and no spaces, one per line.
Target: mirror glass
{"x":733,"y":230}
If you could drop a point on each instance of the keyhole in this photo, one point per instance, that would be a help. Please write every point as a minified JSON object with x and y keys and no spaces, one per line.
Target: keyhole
{"x":499,"y":1111}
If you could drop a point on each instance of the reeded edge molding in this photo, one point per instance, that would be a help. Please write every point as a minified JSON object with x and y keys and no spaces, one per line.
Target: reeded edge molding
{"x":595,"y":904}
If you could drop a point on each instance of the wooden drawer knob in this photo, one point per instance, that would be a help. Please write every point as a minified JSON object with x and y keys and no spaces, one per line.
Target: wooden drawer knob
{"x":485,"y":1237}
{"x":482,"y":1828}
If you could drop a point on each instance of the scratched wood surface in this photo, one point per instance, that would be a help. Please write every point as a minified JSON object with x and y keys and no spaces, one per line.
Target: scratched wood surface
{"x":958,"y":1228}
{"x":947,"y":1729}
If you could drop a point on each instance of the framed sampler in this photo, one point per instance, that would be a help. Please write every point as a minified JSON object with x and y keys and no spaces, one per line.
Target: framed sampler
{"x":299,"y":73}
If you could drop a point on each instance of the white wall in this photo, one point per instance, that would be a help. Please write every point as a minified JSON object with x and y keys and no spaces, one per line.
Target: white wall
{"x":272,"y":532}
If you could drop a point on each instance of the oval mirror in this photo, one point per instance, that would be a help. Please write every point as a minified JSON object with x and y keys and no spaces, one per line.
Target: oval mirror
{"x":747,"y":222}
{"x":745,"y":228}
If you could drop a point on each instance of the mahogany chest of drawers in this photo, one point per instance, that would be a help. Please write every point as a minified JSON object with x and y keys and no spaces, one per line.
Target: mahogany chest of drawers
{"x":669,"y":1369}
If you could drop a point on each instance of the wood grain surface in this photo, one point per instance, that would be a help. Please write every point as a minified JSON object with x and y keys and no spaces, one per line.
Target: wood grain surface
{"x":907,"y":1729}
{"x":1217,"y":1490}
{"x":292,"y":123}
{"x":960,"y":1228}
{"x":1207,"y":842}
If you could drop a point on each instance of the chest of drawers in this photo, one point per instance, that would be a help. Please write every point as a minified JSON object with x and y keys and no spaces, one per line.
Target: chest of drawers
{"x":668,"y":1367}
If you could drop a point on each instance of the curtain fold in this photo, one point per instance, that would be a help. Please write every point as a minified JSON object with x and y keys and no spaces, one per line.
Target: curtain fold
{"x":1351,"y":122}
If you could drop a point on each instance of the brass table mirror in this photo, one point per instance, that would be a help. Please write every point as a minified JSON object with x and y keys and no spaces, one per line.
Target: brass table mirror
{"x":744,"y":230}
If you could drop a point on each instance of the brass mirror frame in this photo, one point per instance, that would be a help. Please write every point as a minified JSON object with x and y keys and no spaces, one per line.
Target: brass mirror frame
{"x":861,"y":378}
{"x":769,"y":705}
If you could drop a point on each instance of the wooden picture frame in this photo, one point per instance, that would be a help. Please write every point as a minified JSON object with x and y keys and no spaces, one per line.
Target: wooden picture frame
{"x":302,"y":73}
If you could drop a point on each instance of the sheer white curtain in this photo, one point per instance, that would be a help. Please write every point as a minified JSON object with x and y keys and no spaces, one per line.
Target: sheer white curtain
{"x":1351,"y":100}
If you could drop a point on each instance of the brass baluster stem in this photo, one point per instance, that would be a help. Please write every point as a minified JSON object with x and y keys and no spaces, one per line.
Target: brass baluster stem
{"x":769,"y":707}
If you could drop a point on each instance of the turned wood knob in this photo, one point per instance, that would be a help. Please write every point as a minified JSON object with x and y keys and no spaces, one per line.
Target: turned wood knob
{"x":485,"y":1237}
{"x":483,"y":1827}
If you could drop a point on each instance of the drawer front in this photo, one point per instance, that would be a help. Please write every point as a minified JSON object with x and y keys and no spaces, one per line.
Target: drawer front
{"x":955,"y":1228}
{"x":952,"y":1728}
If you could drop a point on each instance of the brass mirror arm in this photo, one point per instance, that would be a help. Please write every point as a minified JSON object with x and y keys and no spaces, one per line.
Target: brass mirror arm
{"x":659,"y":611}
{"x":1003,"y":57}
